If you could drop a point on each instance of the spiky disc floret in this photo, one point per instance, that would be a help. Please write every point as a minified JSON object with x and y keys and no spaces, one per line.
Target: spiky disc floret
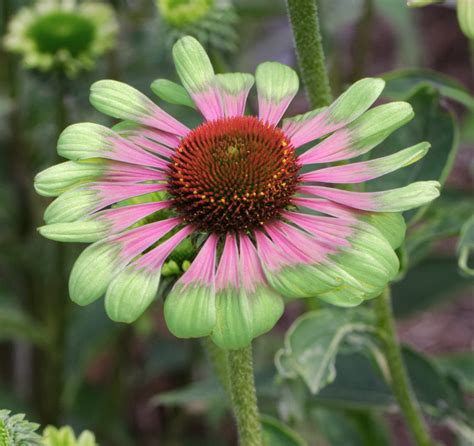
{"x":233,"y":174}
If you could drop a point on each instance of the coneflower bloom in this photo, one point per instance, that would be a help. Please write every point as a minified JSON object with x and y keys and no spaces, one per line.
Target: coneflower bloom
{"x":62,"y":35}
{"x":256,"y":199}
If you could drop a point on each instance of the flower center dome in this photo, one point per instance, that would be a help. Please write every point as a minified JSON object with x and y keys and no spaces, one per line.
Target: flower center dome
{"x":232,"y":174}
{"x":62,"y":31}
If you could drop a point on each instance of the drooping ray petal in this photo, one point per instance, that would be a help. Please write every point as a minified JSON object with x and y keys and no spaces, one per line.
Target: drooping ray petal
{"x":190,"y":308}
{"x":265,"y":303}
{"x":84,"y":200}
{"x":101,"y":224}
{"x":121,"y":101}
{"x":132,"y":291}
{"x":277,"y":85}
{"x":97,"y":265}
{"x":291,"y":271}
{"x":394,"y":200}
{"x":232,"y":329}
{"x":390,"y":224}
{"x":345,"y":109}
{"x":234,"y":89}
{"x":197,"y":75}
{"x":368,"y":170}
{"x":134,"y":131}
{"x":361,"y":135}
{"x":88,"y":140}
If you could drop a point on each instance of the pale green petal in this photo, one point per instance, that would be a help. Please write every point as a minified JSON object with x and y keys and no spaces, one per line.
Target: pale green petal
{"x":391,"y":225}
{"x":78,"y":232}
{"x":190,"y":312}
{"x":172,"y":93}
{"x":193,"y":65}
{"x":92,"y":272}
{"x":276,"y":82}
{"x":130,"y":293}
{"x":235,"y":83}
{"x":71,"y":206}
{"x":57,"y":179}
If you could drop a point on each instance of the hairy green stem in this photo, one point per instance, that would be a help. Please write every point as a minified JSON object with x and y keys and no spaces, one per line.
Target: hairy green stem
{"x":303,"y":15}
{"x":399,"y":378}
{"x":244,"y":397}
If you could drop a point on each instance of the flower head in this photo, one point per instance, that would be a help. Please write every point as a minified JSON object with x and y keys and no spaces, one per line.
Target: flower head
{"x":212,"y":22}
{"x":65,"y":437}
{"x":63,"y":35}
{"x":16,"y":431}
{"x":256,"y":200}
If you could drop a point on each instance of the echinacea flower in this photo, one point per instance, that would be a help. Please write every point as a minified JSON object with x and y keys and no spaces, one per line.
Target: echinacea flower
{"x":62,"y":35}
{"x":257,"y":200}
{"x":212,"y":22}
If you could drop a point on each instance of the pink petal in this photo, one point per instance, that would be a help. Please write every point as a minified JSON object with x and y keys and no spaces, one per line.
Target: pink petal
{"x":228,"y":269}
{"x":251,"y":268}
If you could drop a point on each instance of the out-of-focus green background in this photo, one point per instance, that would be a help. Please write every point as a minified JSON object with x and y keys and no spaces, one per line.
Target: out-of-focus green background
{"x":137,"y":385}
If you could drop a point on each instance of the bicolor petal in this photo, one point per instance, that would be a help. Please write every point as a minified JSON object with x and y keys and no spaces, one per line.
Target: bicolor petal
{"x":394,"y":200}
{"x":361,"y":135}
{"x":234,"y":88}
{"x":345,"y":109}
{"x":197,"y":75}
{"x":121,"y":101}
{"x":277,"y":85}
{"x":190,"y":307}
{"x":368,"y":170}
{"x":172,"y":92}
{"x":132,"y":291}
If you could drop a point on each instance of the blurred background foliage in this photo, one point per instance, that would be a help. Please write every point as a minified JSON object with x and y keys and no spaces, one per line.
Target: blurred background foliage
{"x":137,"y":385}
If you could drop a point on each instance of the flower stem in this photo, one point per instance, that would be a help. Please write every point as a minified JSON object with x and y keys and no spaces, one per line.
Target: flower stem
{"x":244,"y":398}
{"x":400,"y":381}
{"x":303,"y":15}
{"x":220,"y":363}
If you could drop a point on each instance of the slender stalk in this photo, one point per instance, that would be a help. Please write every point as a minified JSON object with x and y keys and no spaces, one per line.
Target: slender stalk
{"x":303,"y":15}
{"x":399,"y":377}
{"x":244,"y":397}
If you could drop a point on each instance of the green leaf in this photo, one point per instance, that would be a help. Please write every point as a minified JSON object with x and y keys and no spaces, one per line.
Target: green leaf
{"x":432,"y":123}
{"x":432,"y":281}
{"x":351,"y":427}
{"x":461,"y":366}
{"x":275,"y":433}
{"x":440,"y":222}
{"x":402,"y":84}
{"x":172,"y":92}
{"x":314,"y":340}
{"x":465,"y":246}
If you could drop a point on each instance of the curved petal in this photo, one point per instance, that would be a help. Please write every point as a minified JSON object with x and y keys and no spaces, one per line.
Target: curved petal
{"x":132,"y":130}
{"x":88,"y":140}
{"x":368,"y":170}
{"x":190,"y":307}
{"x":393,"y":200}
{"x":277,"y":85}
{"x":121,"y":101}
{"x":95,"y":268}
{"x":77,"y":203}
{"x":345,"y":109}
{"x":234,"y":89}
{"x":361,"y":135}
{"x":132,"y":291}
{"x":197,"y":75}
